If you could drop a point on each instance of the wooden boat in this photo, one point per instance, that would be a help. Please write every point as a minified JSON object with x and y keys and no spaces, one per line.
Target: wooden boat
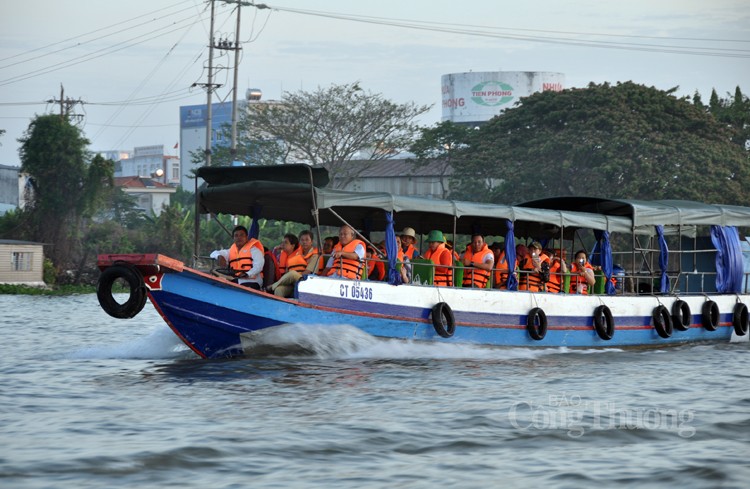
{"x":696,"y":293}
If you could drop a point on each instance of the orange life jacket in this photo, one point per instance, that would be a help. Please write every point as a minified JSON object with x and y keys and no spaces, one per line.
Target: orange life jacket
{"x":476,"y":277}
{"x":501,"y":272}
{"x":443,"y":275}
{"x":242,"y":259}
{"x":345,"y":266}
{"x":555,"y":278}
{"x":411,"y":252}
{"x":284,"y":259}
{"x":375,"y":269}
{"x":530,"y":280}
{"x":576,"y":280}
{"x":298,"y":262}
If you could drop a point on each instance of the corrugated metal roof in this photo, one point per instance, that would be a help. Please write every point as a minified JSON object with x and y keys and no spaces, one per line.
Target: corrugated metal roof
{"x":394,"y":168}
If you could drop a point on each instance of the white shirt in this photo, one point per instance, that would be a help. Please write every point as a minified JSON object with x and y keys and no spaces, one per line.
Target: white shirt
{"x":258,"y":262}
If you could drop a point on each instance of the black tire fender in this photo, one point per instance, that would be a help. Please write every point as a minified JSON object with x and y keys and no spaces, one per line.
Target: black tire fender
{"x":710,"y":315}
{"x":604,"y":322}
{"x":136,"y":299}
{"x":740,"y":319}
{"x":443,"y":320}
{"x":536,"y":323}
{"x":681,"y":316}
{"x":662,"y":321}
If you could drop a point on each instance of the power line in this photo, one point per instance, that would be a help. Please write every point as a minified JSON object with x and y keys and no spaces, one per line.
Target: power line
{"x":89,"y":33}
{"x":489,"y":32}
{"x":133,"y":41}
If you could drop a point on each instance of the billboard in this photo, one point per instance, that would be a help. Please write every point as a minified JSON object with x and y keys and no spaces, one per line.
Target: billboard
{"x":480,"y":96}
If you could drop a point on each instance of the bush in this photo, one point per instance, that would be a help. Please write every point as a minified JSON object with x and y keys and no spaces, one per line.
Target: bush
{"x":49,"y":274}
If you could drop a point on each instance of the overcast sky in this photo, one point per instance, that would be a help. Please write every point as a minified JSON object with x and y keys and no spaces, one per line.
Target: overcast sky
{"x":133,"y":62}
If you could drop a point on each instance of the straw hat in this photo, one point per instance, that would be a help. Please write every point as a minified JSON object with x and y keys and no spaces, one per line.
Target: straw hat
{"x":409,"y":232}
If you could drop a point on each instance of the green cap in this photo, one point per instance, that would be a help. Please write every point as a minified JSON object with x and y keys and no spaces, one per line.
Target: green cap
{"x":435,"y":235}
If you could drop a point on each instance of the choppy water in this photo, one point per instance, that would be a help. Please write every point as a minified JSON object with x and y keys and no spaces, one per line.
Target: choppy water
{"x":88,"y":401}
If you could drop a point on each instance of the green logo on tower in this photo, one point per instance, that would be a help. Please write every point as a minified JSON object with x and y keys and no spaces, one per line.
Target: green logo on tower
{"x":492,"y":93}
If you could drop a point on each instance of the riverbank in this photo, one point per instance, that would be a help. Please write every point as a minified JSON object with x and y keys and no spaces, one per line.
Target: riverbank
{"x":12,"y":289}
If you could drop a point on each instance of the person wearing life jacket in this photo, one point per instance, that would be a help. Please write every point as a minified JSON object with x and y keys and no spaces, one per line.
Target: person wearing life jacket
{"x":347,"y":258}
{"x":375,"y":264}
{"x":298,"y":265}
{"x":408,"y":239}
{"x":531,"y":267}
{"x":582,"y":274}
{"x":403,"y":263}
{"x":439,"y":255}
{"x":454,"y":253}
{"x":502,"y":270}
{"x":478,"y":263}
{"x":557,"y":269}
{"x":328,"y":243}
{"x":289,"y":248}
{"x":244,"y":259}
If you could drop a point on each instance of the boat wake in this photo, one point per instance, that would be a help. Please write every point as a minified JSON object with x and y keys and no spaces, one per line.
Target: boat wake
{"x":342,"y":341}
{"x":160,"y":344}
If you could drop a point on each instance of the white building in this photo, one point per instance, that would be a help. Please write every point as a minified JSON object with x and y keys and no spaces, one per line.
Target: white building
{"x":21,"y":262}
{"x":151,"y":195}
{"x":150,"y":162}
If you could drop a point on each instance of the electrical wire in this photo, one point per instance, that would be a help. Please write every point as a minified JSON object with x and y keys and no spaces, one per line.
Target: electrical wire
{"x":78,"y":45}
{"x":489,"y":32}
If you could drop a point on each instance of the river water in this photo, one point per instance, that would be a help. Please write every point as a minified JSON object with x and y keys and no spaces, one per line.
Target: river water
{"x":88,"y":401}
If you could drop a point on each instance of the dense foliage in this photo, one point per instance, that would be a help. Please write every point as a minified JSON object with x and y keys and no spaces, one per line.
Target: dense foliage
{"x":68,"y":185}
{"x":328,"y":126}
{"x":623,"y":141}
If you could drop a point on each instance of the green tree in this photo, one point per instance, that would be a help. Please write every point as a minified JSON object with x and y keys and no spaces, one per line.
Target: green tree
{"x":626,"y":141}
{"x":437,"y":145}
{"x":733,"y":110}
{"x":330,"y":126}
{"x":68,"y":185}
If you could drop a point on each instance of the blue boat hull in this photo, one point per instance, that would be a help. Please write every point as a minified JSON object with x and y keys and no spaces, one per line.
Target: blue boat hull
{"x":210,"y":315}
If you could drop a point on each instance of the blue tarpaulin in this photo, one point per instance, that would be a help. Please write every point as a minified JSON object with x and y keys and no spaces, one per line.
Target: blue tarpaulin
{"x":604,"y":250}
{"x":255,"y":226}
{"x":728,"y":259}
{"x":510,"y":255}
{"x":663,"y":259}
{"x":391,"y":249}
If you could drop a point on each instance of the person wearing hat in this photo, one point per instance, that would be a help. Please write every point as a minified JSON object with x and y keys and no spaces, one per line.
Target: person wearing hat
{"x":408,"y":239}
{"x":439,"y":255}
{"x":479,"y":260}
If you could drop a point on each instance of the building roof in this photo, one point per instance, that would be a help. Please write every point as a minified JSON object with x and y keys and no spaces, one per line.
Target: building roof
{"x":18,"y":242}
{"x":396,"y":168}
{"x":135,"y":182}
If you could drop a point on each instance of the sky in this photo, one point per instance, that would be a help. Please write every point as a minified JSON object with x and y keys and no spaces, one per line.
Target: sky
{"x":133,"y":64}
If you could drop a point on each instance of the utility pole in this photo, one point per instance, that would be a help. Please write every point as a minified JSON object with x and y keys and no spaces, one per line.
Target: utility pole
{"x":66,"y":105}
{"x":209,"y":86}
{"x":233,"y":146}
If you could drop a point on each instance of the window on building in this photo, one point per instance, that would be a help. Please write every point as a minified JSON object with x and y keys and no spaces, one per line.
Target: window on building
{"x":21,"y":261}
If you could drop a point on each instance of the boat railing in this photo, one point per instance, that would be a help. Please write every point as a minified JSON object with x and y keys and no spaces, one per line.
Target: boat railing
{"x":422,"y":272}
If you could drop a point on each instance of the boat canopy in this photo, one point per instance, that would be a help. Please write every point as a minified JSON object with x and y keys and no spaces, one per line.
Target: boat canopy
{"x":284,"y":193}
{"x":652,"y":213}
